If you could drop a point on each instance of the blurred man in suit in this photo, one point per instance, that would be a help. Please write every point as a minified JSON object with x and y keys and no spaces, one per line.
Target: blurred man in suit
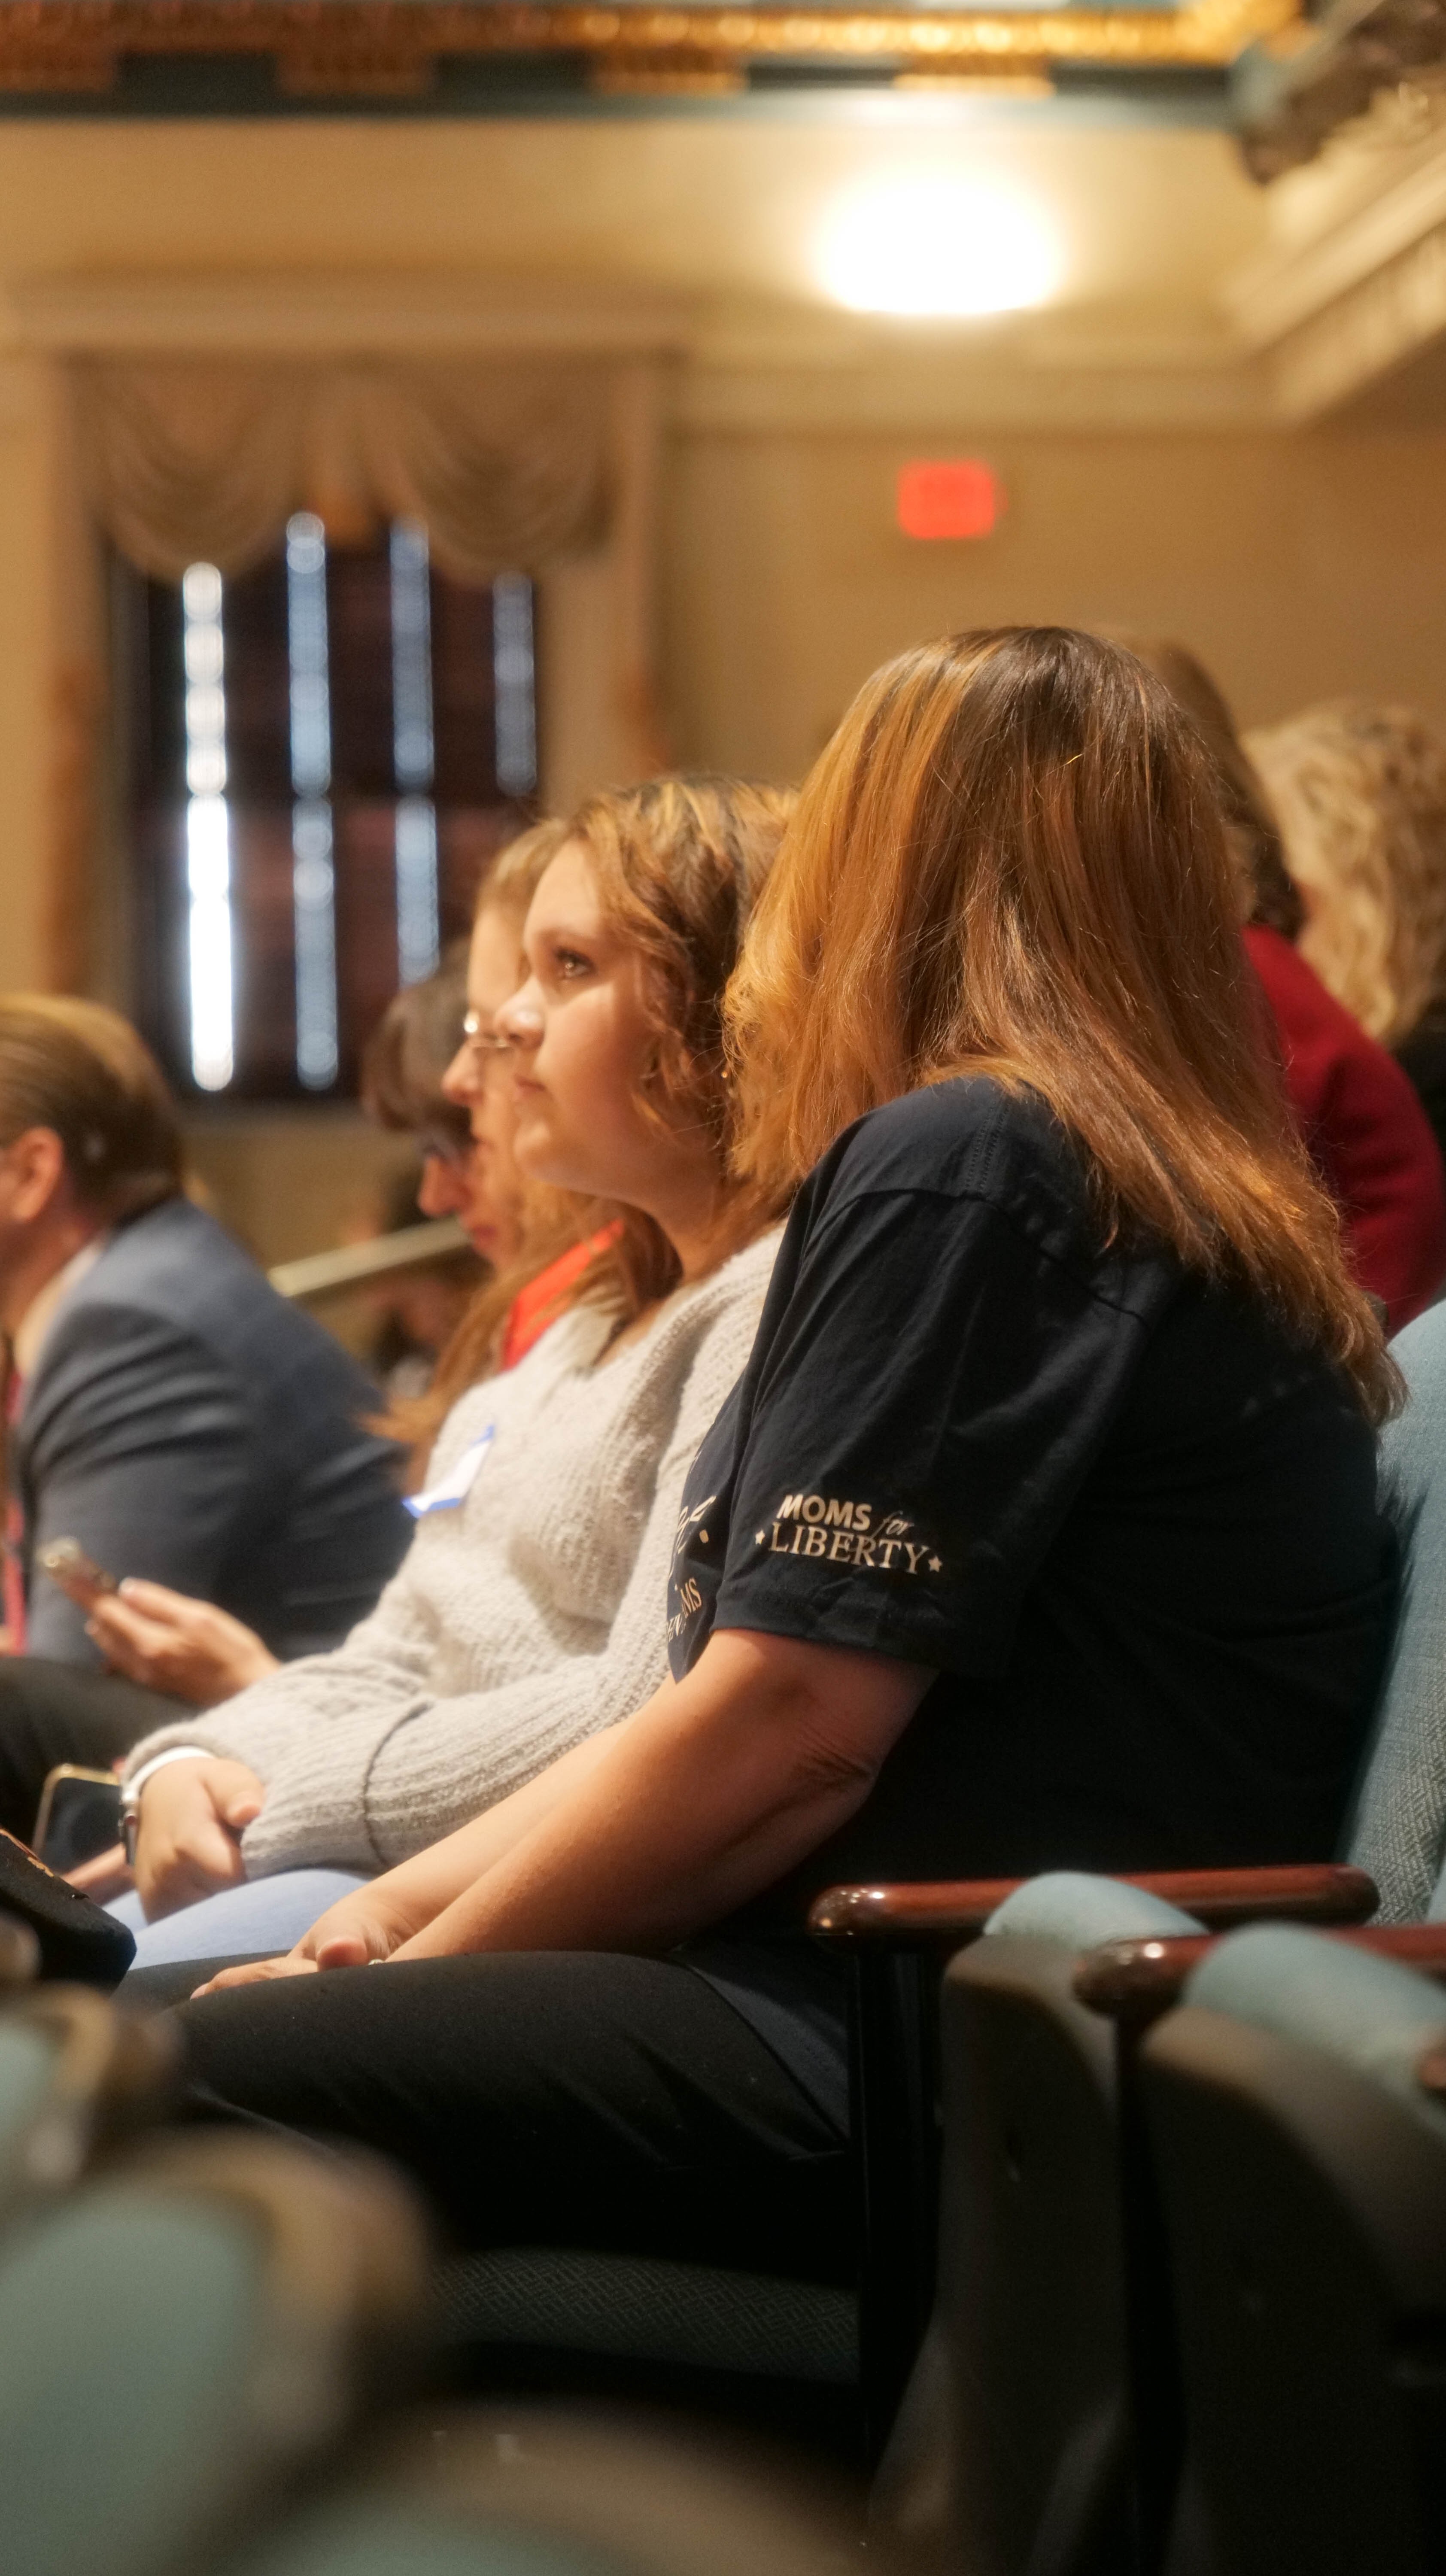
{"x":166,"y":1409}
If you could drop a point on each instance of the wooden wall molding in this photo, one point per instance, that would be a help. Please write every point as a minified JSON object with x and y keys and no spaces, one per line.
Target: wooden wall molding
{"x":1387,"y":319}
{"x":1292,"y":283}
{"x":763,"y":370}
{"x":1336,"y":310}
{"x":321,"y":313}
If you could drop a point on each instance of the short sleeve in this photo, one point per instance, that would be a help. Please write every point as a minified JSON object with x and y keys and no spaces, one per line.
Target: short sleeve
{"x":931,"y":1386}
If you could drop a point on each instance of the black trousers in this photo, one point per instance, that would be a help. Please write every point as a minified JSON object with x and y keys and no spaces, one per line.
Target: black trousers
{"x":53,"y":1713}
{"x":555,"y":2098}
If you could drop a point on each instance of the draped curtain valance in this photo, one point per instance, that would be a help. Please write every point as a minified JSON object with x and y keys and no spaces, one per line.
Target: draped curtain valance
{"x":507,"y":463}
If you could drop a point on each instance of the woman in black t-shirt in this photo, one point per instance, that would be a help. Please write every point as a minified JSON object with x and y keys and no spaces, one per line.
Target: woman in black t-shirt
{"x":1041,"y":1529}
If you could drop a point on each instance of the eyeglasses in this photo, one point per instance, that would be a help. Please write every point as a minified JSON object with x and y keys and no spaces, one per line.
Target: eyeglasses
{"x":444,"y":1145}
{"x":480,"y":1041}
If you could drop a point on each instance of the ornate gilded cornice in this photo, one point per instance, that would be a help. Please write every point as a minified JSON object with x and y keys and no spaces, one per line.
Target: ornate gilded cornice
{"x":390,"y":48}
{"x":1357,"y":54}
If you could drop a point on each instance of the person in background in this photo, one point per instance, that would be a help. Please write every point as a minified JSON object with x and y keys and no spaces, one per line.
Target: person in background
{"x":167,"y":1410}
{"x":1361,"y":795}
{"x":1358,"y":1113}
{"x":183,"y":1649}
{"x":418,"y":1310}
{"x":527,"y":1613}
{"x":1041,"y":1530}
{"x":414,"y":1312}
{"x":543,"y":1242}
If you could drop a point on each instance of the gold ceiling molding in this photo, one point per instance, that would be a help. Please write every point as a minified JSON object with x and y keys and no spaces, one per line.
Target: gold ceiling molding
{"x":391,"y":47}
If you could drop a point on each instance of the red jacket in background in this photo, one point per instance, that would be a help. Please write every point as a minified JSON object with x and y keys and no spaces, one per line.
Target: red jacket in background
{"x":1366,"y":1129}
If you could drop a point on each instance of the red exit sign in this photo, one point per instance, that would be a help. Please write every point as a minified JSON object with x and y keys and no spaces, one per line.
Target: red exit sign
{"x":955,"y":496}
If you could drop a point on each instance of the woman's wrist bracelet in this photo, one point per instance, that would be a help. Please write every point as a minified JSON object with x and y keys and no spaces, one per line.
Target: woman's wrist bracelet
{"x":131,"y":1791}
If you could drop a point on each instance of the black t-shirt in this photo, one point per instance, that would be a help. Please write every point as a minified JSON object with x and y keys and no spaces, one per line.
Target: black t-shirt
{"x":1129,"y":1522}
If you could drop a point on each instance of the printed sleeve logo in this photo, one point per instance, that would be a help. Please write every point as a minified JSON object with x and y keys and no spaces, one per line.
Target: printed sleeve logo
{"x":685,"y":1591}
{"x":688,"y":1520}
{"x":846,"y":1533}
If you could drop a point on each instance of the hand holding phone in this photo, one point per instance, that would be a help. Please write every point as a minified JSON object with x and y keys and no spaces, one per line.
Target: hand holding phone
{"x":168,"y":1642}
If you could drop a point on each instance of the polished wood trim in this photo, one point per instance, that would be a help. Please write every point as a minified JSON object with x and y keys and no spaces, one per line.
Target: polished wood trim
{"x":1136,"y":1981}
{"x":950,"y":1910}
{"x":389,"y":47}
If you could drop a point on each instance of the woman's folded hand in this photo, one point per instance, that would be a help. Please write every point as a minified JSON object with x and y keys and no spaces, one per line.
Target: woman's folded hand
{"x":254,"y":1972}
{"x":359,"y":1931}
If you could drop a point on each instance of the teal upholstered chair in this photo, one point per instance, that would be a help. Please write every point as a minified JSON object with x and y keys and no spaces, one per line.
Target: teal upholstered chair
{"x":1295,"y":2105}
{"x":76,"y":2077}
{"x":1037,"y":2430}
{"x":524,"y":2491}
{"x":183,"y":2340}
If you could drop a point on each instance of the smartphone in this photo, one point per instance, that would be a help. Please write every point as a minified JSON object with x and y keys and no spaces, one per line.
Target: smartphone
{"x":78,"y":1575}
{"x":80,"y":1815}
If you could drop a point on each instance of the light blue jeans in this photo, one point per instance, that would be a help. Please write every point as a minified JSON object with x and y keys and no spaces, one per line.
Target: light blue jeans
{"x":266,"y":1915}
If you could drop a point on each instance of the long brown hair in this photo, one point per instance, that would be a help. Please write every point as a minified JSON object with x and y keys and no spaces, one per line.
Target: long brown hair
{"x":1268,"y":899}
{"x":679,"y":864}
{"x":1010,"y":860}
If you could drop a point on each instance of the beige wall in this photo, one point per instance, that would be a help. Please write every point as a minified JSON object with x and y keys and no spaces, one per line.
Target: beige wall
{"x":28,"y":677}
{"x":1296,"y":565}
{"x":1295,"y":562}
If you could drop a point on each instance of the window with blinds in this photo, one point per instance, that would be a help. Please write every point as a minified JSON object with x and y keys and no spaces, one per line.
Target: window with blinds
{"x":323,"y":755}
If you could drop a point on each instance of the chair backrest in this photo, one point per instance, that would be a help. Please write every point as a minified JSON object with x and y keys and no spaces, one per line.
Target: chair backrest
{"x":1398,"y":1827}
{"x":76,"y":2075}
{"x":19,"y":1953}
{"x":1035,"y":2302}
{"x":528,"y":2490}
{"x":180,"y":2340}
{"x":1302,"y":2168}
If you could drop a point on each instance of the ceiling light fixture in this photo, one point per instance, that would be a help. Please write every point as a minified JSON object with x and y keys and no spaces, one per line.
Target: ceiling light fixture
{"x":937,"y":247}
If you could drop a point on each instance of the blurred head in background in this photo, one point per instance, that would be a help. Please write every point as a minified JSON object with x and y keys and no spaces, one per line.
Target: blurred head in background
{"x":1268,"y":898}
{"x":1361,"y":796}
{"x":89,"y":1136}
{"x":477,"y":1083}
{"x":401,"y":1084}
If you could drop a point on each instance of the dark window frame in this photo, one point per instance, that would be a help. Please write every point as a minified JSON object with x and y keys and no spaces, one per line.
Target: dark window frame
{"x":441,"y":760}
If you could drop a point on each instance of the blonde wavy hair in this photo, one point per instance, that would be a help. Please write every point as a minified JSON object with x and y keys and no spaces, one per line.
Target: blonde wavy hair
{"x":1011,"y":860}
{"x":1361,"y":796}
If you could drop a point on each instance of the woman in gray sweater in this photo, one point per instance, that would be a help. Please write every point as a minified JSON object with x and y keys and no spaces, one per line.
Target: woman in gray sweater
{"x":528,"y":1613}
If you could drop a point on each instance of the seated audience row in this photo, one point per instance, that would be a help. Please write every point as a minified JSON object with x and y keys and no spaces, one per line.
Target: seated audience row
{"x":527,"y":1613}
{"x":135,"y":1517}
{"x":1040,"y":1528}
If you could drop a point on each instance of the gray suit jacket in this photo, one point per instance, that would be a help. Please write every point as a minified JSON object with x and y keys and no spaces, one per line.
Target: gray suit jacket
{"x":183,"y":1422}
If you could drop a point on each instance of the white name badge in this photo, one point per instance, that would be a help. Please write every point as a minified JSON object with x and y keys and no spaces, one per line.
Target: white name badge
{"x":457,"y":1484}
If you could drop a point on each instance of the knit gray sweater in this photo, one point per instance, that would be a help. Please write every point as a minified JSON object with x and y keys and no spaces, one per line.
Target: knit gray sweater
{"x":525,"y":1618}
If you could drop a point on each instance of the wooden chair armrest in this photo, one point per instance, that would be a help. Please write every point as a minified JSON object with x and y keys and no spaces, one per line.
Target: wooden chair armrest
{"x":929,"y":1912}
{"x":1136,"y":1981}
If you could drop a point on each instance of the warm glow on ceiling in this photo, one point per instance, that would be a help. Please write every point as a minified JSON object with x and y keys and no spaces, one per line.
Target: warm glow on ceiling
{"x":937,"y":246}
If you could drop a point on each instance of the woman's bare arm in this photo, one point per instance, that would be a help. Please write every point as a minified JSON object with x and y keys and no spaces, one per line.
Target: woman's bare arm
{"x":716,"y":1788}
{"x":375,"y":1920}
